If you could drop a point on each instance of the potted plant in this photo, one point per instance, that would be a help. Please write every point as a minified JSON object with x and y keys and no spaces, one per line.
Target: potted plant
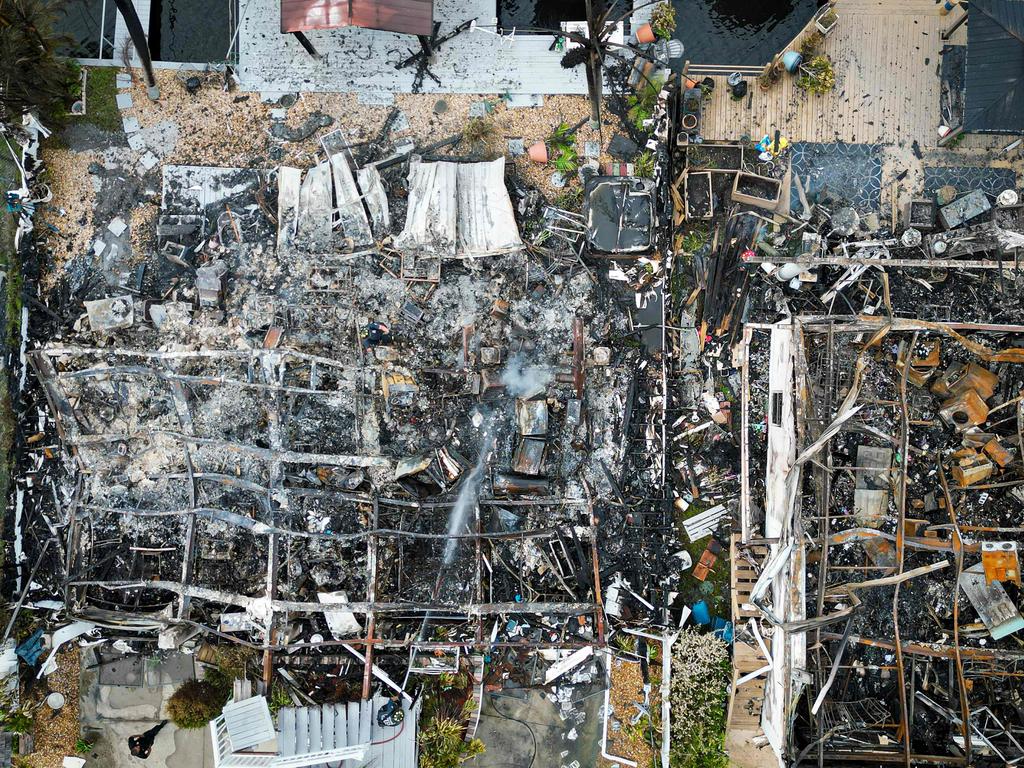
{"x":826,"y":19}
{"x":817,"y":76}
{"x":645,"y":34}
{"x":663,"y":20}
{"x":559,"y":148}
{"x":769,"y":77}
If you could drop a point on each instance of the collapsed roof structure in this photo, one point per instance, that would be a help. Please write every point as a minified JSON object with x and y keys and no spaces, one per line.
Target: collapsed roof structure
{"x":228,"y":453}
{"x":877,"y":361}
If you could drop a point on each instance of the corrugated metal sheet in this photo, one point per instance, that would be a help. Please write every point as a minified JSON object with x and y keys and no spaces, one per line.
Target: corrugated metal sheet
{"x":459,"y":209}
{"x":994,"y":80}
{"x":410,"y":17}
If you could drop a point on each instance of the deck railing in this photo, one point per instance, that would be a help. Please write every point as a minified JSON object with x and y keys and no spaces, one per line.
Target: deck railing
{"x":223,"y":757}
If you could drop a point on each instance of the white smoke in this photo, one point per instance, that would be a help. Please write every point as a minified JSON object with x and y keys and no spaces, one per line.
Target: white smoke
{"x":524,"y":380}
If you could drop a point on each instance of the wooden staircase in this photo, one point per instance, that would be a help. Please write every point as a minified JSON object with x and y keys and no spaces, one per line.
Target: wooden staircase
{"x":744,"y":714}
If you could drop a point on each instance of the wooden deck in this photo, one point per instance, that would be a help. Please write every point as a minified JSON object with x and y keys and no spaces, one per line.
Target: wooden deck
{"x":743,"y":720}
{"x":886,"y":56}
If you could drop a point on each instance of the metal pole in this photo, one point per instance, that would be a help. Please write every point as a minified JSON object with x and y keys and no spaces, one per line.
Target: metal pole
{"x":131,"y":20}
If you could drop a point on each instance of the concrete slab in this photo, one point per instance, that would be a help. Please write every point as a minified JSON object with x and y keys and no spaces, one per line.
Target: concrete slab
{"x":109,"y":714}
{"x":528,"y":729}
{"x":478,"y":60}
{"x":124,"y":100}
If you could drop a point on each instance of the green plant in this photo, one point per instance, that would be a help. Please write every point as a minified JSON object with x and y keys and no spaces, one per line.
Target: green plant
{"x":570,"y":199}
{"x":640,"y":105}
{"x":232,"y":663}
{"x":562,"y":149}
{"x":694,"y":240}
{"x":561,"y":138}
{"x":625,"y":643}
{"x":663,"y":20}
{"x":955,"y":141}
{"x":700,"y":674}
{"x":811,"y":44}
{"x":83,"y":747}
{"x":16,"y":721}
{"x":567,"y":161}
{"x":643,"y":166}
{"x":443,"y":744}
{"x":32,"y":73}
{"x":818,"y":75}
{"x":196,"y":703}
{"x":101,"y":98}
{"x":278,"y":698}
{"x":479,"y":132}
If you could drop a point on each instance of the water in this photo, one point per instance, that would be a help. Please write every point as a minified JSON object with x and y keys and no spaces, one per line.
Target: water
{"x":190,"y":30}
{"x":739,"y":32}
{"x":194,"y":31}
{"x":83,"y":21}
{"x":546,"y":14}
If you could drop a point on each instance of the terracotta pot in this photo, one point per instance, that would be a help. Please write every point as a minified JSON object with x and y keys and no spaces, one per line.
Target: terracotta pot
{"x":645,"y":34}
{"x":689,"y":122}
{"x":538,"y":152}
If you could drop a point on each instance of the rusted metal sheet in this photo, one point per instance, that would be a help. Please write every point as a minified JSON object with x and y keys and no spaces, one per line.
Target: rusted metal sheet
{"x":410,"y":17}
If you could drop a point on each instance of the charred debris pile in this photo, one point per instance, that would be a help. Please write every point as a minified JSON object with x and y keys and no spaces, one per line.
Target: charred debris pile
{"x":867,"y":368}
{"x":373,"y":417}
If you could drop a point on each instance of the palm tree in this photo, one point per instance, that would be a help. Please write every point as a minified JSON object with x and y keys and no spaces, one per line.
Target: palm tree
{"x":32,"y":75}
{"x":595,"y":45}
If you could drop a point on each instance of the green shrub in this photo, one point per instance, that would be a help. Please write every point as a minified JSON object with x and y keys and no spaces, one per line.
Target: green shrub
{"x":17,"y":721}
{"x":196,"y":703}
{"x":811,"y":44}
{"x":443,"y":744}
{"x":278,"y":698}
{"x":700,"y":674}
{"x":641,"y":104}
{"x":643,"y":166}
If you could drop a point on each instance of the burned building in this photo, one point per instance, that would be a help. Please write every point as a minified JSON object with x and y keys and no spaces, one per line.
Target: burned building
{"x":369,"y":435}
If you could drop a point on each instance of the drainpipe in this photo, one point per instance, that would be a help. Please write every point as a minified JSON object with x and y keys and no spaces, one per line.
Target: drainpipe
{"x":131,"y":20}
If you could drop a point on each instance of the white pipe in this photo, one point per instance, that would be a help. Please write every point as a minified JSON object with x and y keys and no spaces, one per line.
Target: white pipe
{"x":607,"y":711}
{"x":667,"y":641}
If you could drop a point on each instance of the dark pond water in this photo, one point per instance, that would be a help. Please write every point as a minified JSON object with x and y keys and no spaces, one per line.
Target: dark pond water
{"x":739,"y":32}
{"x":545,"y":14}
{"x":726,"y":32}
{"x":179,"y":30}
{"x":190,"y":30}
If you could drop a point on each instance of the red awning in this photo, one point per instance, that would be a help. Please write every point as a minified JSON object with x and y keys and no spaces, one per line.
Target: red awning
{"x":410,"y":17}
